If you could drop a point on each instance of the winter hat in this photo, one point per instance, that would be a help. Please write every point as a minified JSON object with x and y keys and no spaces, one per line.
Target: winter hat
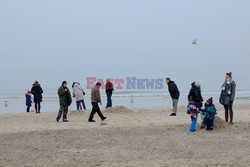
{"x":98,"y":84}
{"x":64,"y":82}
{"x":190,"y":100}
{"x":36,"y":81}
{"x":210,"y":100}
{"x":28,"y":92}
{"x":197,"y":83}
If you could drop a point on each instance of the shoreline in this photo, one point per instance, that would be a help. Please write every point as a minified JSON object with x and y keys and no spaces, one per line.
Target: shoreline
{"x":167,"y":107}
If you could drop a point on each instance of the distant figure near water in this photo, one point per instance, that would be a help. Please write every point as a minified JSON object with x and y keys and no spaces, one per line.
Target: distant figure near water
{"x":65,"y":101}
{"x":78,"y":93}
{"x":109,"y":92}
{"x":174,"y":93}
{"x":28,"y":100}
{"x":37,"y":91}
{"x":227,"y":96}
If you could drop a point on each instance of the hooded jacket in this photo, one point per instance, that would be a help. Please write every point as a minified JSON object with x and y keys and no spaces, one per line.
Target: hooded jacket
{"x":78,"y":92}
{"x":210,"y":111}
{"x":173,"y":90}
{"x":37,"y":91}
{"x":195,"y":95}
{"x":28,"y":99}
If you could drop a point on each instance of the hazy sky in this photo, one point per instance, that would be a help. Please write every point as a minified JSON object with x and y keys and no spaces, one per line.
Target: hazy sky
{"x":55,"y":40}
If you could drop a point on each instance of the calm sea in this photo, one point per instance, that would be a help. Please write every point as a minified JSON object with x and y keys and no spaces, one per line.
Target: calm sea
{"x":12,"y":97}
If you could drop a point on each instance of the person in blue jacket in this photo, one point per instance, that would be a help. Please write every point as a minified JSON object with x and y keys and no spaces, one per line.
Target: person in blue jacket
{"x":28,"y":100}
{"x":209,"y":114}
{"x":193,"y":111}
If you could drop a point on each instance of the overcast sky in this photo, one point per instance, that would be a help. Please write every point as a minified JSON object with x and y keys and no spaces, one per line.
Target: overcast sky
{"x":61,"y":39}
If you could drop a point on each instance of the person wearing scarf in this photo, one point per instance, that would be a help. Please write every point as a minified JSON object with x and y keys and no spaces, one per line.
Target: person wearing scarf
{"x":227,"y":96}
{"x":65,"y":100}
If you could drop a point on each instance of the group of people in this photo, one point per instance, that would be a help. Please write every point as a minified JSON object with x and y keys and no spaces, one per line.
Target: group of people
{"x":194,"y":97}
{"x":65,"y":99}
{"x":37,"y":92}
{"x":195,"y":104}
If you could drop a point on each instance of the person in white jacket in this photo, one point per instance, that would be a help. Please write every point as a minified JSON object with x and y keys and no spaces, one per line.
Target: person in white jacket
{"x":78,"y":94}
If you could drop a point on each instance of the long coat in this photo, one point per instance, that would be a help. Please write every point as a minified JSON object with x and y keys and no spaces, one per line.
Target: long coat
{"x":37,"y":91}
{"x":195,"y":95}
{"x":227,"y":93}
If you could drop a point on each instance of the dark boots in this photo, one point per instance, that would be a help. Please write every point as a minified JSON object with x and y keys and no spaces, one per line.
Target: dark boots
{"x":226,"y":116}
{"x":231,"y":114}
{"x":231,"y":118}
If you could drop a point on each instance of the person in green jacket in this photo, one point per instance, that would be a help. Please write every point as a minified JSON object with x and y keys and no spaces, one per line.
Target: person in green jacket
{"x":65,"y":101}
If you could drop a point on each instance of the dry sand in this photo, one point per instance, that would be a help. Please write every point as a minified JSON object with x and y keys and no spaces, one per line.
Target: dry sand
{"x":144,"y":137}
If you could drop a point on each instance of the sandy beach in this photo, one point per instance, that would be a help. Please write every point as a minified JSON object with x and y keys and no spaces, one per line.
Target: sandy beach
{"x":143,"y":137}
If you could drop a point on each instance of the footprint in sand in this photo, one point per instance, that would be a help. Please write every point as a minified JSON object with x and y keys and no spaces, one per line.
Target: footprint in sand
{"x":103,"y":124}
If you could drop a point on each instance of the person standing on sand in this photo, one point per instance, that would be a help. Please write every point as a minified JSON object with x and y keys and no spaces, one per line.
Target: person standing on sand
{"x":174,"y":93}
{"x":65,"y":101}
{"x":78,"y":93}
{"x":196,"y":97}
{"x":109,"y":92}
{"x":95,"y":99}
{"x":195,"y":94}
{"x":227,"y":96}
{"x":28,"y":100}
{"x":37,"y":91}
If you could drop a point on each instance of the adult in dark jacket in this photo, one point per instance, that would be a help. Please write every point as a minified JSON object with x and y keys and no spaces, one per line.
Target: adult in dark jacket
{"x":195,"y":94}
{"x":37,"y":91}
{"x":227,"y":96}
{"x":109,"y":92}
{"x":174,"y":93}
{"x":65,"y":101}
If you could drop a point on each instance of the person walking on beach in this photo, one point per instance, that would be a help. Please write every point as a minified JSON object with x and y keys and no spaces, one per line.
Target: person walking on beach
{"x":65,"y":101}
{"x":95,"y":99}
{"x":28,"y":100}
{"x":78,"y":93}
{"x":109,"y":92}
{"x":174,"y":93}
{"x":227,"y":96}
{"x":37,"y":91}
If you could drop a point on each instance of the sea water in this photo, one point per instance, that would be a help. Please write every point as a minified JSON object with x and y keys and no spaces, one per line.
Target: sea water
{"x":12,"y":98}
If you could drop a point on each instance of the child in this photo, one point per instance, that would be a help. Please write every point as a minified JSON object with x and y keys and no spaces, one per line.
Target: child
{"x":28,"y":100}
{"x":209,"y":114}
{"x":193,"y":111}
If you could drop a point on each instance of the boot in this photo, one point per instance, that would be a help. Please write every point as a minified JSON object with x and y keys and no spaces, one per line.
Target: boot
{"x":231,"y":118}
{"x":226,"y":116}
